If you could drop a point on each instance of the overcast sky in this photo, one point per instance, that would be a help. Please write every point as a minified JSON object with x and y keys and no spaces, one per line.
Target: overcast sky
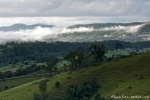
{"x":69,"y":12}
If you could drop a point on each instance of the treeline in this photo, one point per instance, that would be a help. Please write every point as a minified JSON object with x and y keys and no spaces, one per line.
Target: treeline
{"x":83,"y":92}
{"x":43,"y":51}
{"x":21,"y":71}
{"x":101,"y":25}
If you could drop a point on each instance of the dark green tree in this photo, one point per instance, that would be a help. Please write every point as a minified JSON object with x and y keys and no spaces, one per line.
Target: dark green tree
{"x":43,"y":86}
{"x":19,"y":71}
{"x":118,"y":46}
{"x":98,"y":97}
{"x":57,"y":84}
{"x":2,"y":76}
{"x":98,"y":51}
{"x":75,"y":57}
{"x":83,"y":92}
{"x":49,"y":66}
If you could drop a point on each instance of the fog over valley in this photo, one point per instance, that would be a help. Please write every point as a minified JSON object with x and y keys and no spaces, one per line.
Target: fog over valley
{"x":76,"y":33}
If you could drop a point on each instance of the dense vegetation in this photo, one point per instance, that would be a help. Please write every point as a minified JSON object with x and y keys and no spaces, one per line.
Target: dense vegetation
{"x":80,"y":55}
{"x":101,"y":25}
{"x":128,"y":76}
{"x":43,"y":52}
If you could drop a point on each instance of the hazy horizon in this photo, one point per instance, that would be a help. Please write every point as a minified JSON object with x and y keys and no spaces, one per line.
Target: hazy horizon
{"x":66,"y":13}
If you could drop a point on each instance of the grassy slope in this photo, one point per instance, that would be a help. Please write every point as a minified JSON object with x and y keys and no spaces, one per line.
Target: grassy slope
{"x":129,"y":76}
{"x":19,"y":81}
{"x":12,"y":68}
{"x":61,"y":63}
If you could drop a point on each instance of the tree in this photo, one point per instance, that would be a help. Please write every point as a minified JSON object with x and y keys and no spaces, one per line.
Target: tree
{"x":57,"y":84}
{"x":50,"y":66}
{"x":98,"y":97}
{"x":43,"y":86}
{"x":2,"y":76}
{"x":75,"y":57}
{"x":98,"y":51}
{"x":118,"y":46}
{"x":84,"y":91}
{"x":19,"y":71}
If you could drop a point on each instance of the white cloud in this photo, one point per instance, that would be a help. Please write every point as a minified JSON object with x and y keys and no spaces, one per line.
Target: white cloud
{"x":60,"y":33}
{"x":80,"y":29}
{"x":128,"y":29}
{"x":68,"y":21}
{"x":25,"y":35}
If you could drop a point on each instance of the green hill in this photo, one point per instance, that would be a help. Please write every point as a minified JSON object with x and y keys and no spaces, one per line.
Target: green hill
{"x":128,"y":77}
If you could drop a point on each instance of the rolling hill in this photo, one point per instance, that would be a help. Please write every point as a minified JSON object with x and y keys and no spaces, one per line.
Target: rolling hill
{"x":133,"y":32}
{"x":17,"y":27}
{"x":123,"y":77}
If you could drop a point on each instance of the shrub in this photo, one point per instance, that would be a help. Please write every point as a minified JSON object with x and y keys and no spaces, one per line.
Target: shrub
{"x":129,"y":87}
{"x":57,"y":84}
{"x":26,"y":63}
{"x":43,"y":86}
{"x":69,"y":77}
{"x":83,"y":92}
{"x":36,"y":96}
{"x":98,"y":97}
{"x":6,"y":87}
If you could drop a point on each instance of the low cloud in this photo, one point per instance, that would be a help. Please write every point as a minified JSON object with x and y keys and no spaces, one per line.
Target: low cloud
{"x":128,"y":29}
{"x":28,"y":35}
{"x":80,"y":29}
{"x":67,"y":34}
{"x":38,"y":33}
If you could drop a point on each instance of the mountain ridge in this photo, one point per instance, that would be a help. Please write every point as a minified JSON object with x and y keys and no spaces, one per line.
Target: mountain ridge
{"x":20,"y":26}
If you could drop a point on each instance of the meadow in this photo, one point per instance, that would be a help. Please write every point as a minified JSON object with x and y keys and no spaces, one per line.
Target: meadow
{"x":129,"y":76}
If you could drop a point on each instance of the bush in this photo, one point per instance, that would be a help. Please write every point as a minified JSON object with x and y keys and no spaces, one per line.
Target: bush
{"x":69,"y":77}
{"x":36,"y":96}
{"x":6,"y":87}
{"x":43,"y":86}
{"x":83,"y":92}
{"x":98,"y":97}
{"x":26,"y":63}
{"x":57,"y":84}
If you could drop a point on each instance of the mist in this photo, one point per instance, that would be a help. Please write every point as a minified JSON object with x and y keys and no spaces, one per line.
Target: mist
{"x":28,"y":35}
{"x":38,"y":33}
{"x":71,"y":34}
{"x":128,"y":29}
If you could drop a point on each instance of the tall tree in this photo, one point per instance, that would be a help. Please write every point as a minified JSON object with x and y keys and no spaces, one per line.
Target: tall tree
{"x":50,"y":66}
{"x":43,"y":87}
{"x":75,"y":57}
{"x":118,"y":46}
{"x":2,"y":76}
{"x":98,"y":51}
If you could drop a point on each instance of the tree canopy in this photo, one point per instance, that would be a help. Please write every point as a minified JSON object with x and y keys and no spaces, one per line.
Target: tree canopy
{"x":98,"y":51}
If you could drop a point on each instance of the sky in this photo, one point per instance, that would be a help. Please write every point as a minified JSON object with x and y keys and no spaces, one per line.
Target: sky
{"x":70,"y":12}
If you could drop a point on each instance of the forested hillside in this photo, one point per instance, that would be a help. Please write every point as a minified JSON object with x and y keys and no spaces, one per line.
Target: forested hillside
{"x":43,"y":51}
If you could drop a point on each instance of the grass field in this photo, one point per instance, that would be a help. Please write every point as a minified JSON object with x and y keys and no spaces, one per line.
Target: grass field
{"x":125,"y":52}
{"x":14,"y":67}
{"x":11,"y":83}
{"x":128,"y":76}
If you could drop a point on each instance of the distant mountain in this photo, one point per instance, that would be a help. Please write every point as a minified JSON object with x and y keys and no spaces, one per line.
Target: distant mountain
{"x":133,"y":32}
{"x":145,"y":28}
{"x":17,"y":27}
{"x":103,"y":25}
{"x":137,"y":31}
